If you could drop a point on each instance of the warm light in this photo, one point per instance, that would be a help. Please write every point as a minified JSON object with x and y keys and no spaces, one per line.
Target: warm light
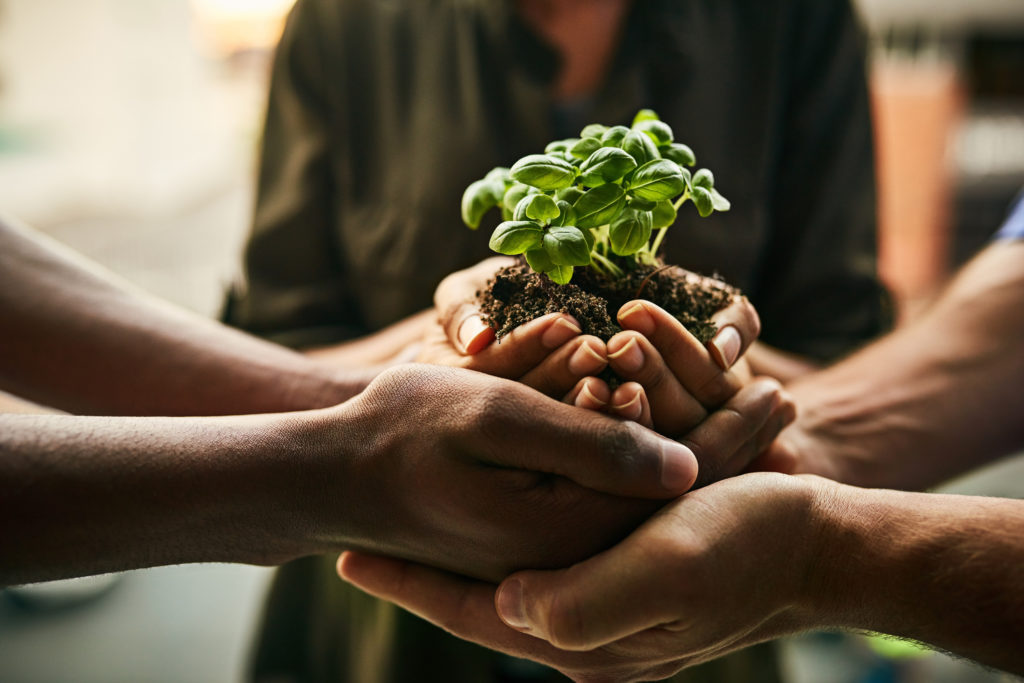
{"x":232,"y":26}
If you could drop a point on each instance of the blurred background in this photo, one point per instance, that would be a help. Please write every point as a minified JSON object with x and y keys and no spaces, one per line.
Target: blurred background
{"x":128,"y":130}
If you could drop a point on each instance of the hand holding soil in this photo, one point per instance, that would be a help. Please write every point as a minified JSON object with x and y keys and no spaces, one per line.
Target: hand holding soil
{"x":594,"y":210}
{"x":549,"y":354}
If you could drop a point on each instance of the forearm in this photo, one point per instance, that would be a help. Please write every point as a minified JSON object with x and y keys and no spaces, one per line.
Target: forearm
{"x":931,"y":400}
{"x":941,"y":569}
{"x":84,"y":495}
{"x":77,"y":338}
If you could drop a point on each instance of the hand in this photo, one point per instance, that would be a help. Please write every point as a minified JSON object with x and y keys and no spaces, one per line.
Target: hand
{"x":666,"y":556}
{"x":548,"y":354}
{"x":682,"y":379}
{"x":484,"y":476}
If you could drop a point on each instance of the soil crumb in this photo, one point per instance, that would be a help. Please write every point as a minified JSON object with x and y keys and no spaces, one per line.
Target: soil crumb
{"x":517,"y":295}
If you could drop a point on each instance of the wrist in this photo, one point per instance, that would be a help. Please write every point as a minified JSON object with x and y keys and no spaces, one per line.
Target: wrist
{"x":309,"y":472}
{"x":859,"y":567}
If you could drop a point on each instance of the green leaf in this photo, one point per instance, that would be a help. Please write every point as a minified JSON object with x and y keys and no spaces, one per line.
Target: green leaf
{"x":704,"y":178}
{"x":640,"y":146}
{"x":519,"y":214}
{"x":566,"y":214}
{"x":541,"y":208}
{"x":640,"y":204}
{"x":702,"y":200}
{"x":645,"y":115}
{"x":570,"y":194}
{"x":560,"y":275}
{"x":566,"y":246}
{"x":663,"y":215}
{"x":514,"y":195}
{"x":477,"y":200}
{"x":613,"y":136}
{"x":539,"y":260}
{"x":659,"y":131}
{"x":679,"y":153}
{"x":719,"y":202}
{"x":544,"y":171}
{"x":629,"y":232}
{"x":560,"y":145}
{"x":605,"y":165}
{"x":499,"y":174}
{"x":599,"y":206}
{"x":585,"y":147}
{"x":589,"y":236}
{"x":594,"y":130}
{"x":515,"y":237}
{"x":657,"y":180}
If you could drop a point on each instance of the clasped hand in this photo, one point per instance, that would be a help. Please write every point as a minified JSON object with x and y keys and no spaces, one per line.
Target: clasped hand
{"x":647,"y":606}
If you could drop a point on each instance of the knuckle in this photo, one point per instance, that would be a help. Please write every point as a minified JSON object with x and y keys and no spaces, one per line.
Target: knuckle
{"x":622,"y":445}
{"x":717,"y":388}
{"x":488,"y":413}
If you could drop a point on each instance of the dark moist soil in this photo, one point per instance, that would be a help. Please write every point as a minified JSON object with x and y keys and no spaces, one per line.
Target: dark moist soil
{"x":517,"y":295}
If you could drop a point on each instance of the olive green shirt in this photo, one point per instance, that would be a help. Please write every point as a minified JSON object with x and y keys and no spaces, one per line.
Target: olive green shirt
{"x":382,"y":111}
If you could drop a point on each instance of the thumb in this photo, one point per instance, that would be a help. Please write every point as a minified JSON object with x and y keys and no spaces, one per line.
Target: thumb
{"x":601,"y":600}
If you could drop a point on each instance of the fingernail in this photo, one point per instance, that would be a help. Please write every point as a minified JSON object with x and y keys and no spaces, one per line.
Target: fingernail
{"x":629,"y":358}
{"x":560,"y":331}
{"x":470,"y":328}
{"x":586,"y":361}
{"x":509,"y":604}
{"x":587,"y":395}
{"x":636,"y":317}
{"x":725,"y":347}
{"x":631,"y":409}
{"x":678,"y":466}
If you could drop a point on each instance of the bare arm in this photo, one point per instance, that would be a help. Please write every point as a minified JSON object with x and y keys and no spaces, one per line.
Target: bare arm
{"x":77,"y":338}
{"x":945,"y":570}
{"x":418,"y":465}
{"x":929,"y":401}
{"x":742,"y":561}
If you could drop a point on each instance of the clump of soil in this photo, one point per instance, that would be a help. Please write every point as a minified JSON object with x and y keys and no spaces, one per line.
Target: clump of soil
{"x":517,"y":295}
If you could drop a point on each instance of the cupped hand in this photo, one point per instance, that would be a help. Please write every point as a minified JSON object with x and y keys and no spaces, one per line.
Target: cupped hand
{"x":713,"y":571}
{"x":682,"y":379}
{"x":549,"y":354}
{"x":483,"y":475}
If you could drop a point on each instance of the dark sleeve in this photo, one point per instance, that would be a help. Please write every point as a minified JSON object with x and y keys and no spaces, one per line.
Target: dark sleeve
{"x":822,"y":297}
{"x":293,"y":290}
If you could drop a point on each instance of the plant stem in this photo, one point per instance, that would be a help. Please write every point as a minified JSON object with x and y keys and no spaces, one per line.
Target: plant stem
{"x":657,"y":242}
{"x":612,"y":269}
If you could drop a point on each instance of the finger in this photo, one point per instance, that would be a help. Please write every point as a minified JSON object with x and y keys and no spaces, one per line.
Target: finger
{"x":563,"y":368}
{"x":594,"y":450}
{"x":629,"y":401}
{"x":738,"y":327}
{"x":691,"y":363}
{"x":633,"y":357}
{"x":460,"y":606}
{"x":466,"y":330}
{"x":455,"y":301}
{"x":525,"y":347}
{"x":776,"y":455}
{"x":607,"y":598}
{"x":728,"y":440}
{"x":590,"y":393}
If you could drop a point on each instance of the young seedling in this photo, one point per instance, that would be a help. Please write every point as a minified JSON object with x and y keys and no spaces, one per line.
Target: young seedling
{"x":595,"y":200}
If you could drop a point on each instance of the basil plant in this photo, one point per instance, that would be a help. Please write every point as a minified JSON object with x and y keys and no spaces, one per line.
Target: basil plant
{"x":586,"y":199}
